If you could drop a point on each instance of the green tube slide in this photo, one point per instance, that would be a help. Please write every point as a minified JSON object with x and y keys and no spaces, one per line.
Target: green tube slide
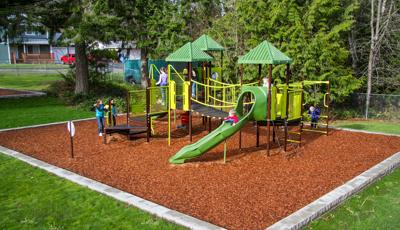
{"x":257,"y":112}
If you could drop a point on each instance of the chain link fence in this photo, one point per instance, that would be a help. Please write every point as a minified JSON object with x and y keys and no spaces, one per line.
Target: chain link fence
{"x":382,"y":107}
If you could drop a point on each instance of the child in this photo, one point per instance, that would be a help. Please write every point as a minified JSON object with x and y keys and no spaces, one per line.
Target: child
{"x":100,"y":116}
{"x":232,"y":118}
{"x":112,"y":112}
{"x":184,"y":120}
{"x":314,"y":114}
{"x":163,"y":81}
{"x":265,"y":81}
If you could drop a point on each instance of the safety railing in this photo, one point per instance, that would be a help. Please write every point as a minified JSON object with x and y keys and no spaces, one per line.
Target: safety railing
{"x":152,"y":70}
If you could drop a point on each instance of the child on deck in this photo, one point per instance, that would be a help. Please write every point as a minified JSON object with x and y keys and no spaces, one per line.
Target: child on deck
{"x":163,"y":81}
{"x":314,"y":113}
{"x":100,"y":116}
{"x":232,"y":118}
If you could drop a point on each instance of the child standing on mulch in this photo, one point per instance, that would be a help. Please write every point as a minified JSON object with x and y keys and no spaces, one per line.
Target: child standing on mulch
{"x":100,"y":116}
{"x":314,"y":113}
{"x":232,"y":118}
{"x":184,"y":120}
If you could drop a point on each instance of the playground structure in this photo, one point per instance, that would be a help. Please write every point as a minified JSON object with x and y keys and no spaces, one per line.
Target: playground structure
{"x":281,"y":104}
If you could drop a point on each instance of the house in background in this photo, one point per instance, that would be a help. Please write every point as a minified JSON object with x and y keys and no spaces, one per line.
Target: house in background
{"x":32,"y":48}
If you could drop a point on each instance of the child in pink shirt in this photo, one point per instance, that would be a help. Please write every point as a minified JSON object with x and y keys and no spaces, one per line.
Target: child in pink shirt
{"x":232,"y":118}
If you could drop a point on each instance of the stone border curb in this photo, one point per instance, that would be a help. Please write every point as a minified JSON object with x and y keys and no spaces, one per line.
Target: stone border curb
{"x":333,"y":198}
{"x":145,"y":205}
{"x":363,"y":131}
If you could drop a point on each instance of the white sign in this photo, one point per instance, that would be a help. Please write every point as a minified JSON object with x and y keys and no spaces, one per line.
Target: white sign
{"x":71,"y":128}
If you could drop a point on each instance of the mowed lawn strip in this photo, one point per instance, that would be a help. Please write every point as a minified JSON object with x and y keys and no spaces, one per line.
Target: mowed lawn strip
{"x":28,"y":81}
{"x":31,"y":198}
{"x":33,"y":66}
{"x":377,"y":207}
{"x":374,"y":126}
{"x":16,"y":112}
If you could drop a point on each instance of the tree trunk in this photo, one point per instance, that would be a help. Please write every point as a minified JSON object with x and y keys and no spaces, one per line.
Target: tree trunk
{"x":143,"y":62}
{"x":82,"y":69}
{"x":369,"y":83}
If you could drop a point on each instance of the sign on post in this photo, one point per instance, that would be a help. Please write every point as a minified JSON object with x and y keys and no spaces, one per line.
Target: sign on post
{"x":71,"y":130}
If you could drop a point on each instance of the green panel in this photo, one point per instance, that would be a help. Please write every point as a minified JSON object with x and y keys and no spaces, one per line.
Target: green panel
{"x":294,"y":105}
{"x":206,"y":43}
{"x":188,"y":53}
{"x":265,"y":53}
{"x":172,"y":94}
{"x":274,"y":102}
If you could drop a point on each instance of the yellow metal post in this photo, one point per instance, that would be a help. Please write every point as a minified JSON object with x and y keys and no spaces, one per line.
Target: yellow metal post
{"x":169,"y":106}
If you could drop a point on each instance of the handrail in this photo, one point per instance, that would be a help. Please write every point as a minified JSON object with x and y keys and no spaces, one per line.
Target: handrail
{"x":213,"y":106}
{"x":151,"y":72}
{"x":176,"y":72}
{"x":325,"y":104}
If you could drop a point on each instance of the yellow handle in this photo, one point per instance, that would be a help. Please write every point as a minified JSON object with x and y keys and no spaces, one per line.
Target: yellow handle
{"x":325,"y":100}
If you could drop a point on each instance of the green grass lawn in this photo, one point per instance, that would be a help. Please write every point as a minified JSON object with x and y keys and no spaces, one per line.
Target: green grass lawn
{"x":34,"y":81}
{"x":31,"y":198}
{"x":33,"y":66}
{"x":377,"y":207}
{"x":15,"y":112}
{"x":375,"y":126}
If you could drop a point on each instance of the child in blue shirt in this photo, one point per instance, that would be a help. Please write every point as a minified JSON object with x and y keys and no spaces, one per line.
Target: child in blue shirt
{"x":99,"y":106}
{"x":314,"y":113}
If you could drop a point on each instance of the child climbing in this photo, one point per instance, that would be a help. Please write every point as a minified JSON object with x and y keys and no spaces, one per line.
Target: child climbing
{"x":111,"y":113}
{"x":314,"y":113}
{"x":163,"y":81}
{"x":100,"y":116}
{"x":232,"y":118}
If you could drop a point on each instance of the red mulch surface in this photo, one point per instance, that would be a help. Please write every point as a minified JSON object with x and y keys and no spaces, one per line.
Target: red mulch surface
{"x":6,"y":92}
{"x":250,"y":191}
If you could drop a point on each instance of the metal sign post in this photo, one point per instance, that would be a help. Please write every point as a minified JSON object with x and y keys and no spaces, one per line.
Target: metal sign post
{"x":71,"y":130}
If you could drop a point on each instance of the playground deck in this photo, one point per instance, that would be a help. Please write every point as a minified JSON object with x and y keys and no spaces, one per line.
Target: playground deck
{"x":251,"y":191}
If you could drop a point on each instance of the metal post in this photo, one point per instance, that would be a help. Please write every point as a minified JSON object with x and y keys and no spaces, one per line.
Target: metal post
{"x":169,"y":105}
{"x":222,"y":62}
{"x":128,"y":102}
{"x":269,"y":108}
{"x":209,"y":125}
{"x":241,"y":83}
{"x":302,"y":109}
{"x":287,"y":104}
{"x":148,"y":119}
{"x":328,"y":103}
{"x":190,"y":100}
{"x":72,"y":139}
{"x":257,"y":135}
{"x":257,"y":126}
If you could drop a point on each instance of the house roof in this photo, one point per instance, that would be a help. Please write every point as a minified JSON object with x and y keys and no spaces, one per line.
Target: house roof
{"x":265,"y":53}
{"x":206,"y":43}
{"x":188,"y":53}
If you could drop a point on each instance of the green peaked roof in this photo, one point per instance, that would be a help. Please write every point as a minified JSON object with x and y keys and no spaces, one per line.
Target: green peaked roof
{"x":206,"y":43}
{"x":188,"y":53}
{"x":264,"y":53}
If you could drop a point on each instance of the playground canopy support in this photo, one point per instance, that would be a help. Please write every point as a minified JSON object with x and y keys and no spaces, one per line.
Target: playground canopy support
{"x":266,"y":53}
{"x":189,"y":54}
